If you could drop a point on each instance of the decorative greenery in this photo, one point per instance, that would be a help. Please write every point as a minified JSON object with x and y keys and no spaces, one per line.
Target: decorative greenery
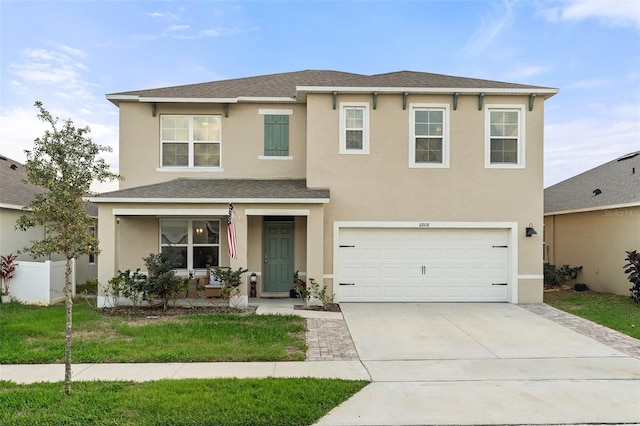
{"x":231,"y":279}
{"x":314,"y":290}
{"x":162,"y":281}
{"x":7,"y":269}
{"x":223,"y":402}
{"x":130,"y":285}
{"x":559,"y":276}
{"x":300,"y":286}
{"x":64,"y":162}
{"x":632,"y":267}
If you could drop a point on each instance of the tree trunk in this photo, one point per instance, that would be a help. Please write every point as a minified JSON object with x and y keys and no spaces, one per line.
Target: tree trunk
{"x":68,"y":293}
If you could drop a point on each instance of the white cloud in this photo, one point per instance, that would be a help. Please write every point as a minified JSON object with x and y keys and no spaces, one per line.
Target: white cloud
{"x":57,"y":67}
{"x":178,"y":28}
{"x":491,"y":26}
{"x":19,"y":127}
{"x":524,"y":71}
{"x":613,"y":13}
{"x":594,"y":83}
{"x":576,"y":146}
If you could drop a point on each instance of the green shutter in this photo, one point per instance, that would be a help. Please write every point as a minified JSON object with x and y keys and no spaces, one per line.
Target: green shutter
{"x":276,"y":135}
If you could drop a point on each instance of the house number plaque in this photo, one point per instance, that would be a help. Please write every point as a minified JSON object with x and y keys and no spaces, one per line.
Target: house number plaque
{"x":423,"y":224}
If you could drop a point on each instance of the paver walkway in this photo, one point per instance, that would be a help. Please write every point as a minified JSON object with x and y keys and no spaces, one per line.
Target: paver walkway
{"x":602,"y":334}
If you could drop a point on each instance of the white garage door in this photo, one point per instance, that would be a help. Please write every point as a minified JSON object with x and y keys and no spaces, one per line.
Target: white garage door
{"x":423,"y":265}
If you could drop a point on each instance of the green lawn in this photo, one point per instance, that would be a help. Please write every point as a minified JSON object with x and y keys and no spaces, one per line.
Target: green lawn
{"x":613,"y":311}
{"x":175,"y":402}
{"x":35,"y":334}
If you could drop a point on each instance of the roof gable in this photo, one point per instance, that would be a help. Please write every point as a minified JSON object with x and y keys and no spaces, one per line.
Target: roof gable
{"x":616,"y":183}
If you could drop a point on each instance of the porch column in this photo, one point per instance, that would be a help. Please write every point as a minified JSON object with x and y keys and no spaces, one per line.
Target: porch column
{"x":242,"y":254}
{"x":107,"y":231}
{"x":315,"y":244}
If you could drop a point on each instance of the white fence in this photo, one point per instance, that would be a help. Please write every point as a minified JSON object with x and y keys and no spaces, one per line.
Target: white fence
{"x":40,"y":283}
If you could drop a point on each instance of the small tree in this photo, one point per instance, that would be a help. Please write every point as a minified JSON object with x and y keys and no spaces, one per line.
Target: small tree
{"x":161,"y":281}
{"x":64,"y":163}
{"x":632,"y":267}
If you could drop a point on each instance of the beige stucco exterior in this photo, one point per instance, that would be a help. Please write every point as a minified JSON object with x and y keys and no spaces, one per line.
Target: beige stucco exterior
{"x":378,"y":187}
{"x":597,"y":241}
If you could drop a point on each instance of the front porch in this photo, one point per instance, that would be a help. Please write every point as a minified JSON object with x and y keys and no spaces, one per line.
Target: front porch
{"x":271,"y":243}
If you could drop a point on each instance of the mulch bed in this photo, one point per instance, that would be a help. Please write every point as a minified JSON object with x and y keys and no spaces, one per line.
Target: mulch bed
{"x":157,"y":311}
{"x":331,"y":307}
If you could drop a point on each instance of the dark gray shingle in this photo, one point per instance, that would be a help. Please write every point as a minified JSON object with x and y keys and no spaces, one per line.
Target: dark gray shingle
{"x":618,"y":182}
{"x":226,"y":189}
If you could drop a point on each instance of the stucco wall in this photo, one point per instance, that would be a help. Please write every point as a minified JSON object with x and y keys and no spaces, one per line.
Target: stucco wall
{"x":597,"y":241}
{"x":381,"y":187}
{"x":242,"y":143}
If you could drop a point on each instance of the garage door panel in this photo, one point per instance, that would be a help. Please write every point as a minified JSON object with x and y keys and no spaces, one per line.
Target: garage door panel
{"x":389,"y":264}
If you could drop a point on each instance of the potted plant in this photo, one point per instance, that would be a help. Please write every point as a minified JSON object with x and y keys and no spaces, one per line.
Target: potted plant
{"x":7,"y":269}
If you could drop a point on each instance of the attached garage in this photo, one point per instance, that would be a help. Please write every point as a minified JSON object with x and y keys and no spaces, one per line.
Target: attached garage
{"x":423,"y":264}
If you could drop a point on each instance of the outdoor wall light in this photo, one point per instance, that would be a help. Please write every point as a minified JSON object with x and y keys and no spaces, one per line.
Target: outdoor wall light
{"x":530,"y":231}
{"x":253,"y":277}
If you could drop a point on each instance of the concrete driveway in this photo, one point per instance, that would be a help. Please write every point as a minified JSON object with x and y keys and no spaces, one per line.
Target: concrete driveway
{"x":450,"y":363}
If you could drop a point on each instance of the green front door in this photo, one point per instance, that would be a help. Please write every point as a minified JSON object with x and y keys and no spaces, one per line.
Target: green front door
{"x":278,"y":257}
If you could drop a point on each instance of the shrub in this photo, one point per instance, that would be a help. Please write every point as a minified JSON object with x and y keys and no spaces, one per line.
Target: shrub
{"x":559,"y":276}
{"x":231,"y":279}
{"x":314,"y":290}
{"x":7,"y":269}
{"x":162,"y":282}
{"x":128,"y":284}
{"x":632,"y":267}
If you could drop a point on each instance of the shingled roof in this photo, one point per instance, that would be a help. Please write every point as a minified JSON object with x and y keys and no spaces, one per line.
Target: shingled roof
{"x":293,"y":86}
{"x":219,"y":190}
{"x":15,"y":192}
{"x":613,"y":184}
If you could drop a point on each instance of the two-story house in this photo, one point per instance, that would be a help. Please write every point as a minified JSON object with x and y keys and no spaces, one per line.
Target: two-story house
{"x":405,"y":186}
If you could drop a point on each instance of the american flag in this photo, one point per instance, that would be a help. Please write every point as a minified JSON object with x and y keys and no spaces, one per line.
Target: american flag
{"x":231,"y":233}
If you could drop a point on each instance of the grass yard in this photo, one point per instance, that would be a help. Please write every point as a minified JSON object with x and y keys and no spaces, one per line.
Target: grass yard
{"x":611,"y":310}
{"x":175,"y":402}
{"x":35,"y":334}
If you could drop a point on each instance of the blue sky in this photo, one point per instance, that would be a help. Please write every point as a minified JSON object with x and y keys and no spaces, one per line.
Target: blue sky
{"x":70,"y":54}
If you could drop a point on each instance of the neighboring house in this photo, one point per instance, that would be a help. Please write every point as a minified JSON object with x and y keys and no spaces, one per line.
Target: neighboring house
{"x":15,"y":193}
{"x":591,"y":220}
{"x":405,"y":186}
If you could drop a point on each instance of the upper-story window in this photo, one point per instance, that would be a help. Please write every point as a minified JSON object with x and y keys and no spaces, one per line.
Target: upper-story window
{"x":354,"y":128}
{"x":429,"y":140}
{"x":190,"y":140}
{"x":504,"y":136}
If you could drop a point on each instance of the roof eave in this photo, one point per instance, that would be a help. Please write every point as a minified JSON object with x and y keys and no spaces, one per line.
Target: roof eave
{"x":209,"y":200}
{"x":593,"y":209}
{"x":116,"y":99}
{"x":538,"y":91}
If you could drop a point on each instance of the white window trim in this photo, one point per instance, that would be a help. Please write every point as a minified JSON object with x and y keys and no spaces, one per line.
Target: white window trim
{"x":190,"y":244}
{"x":274,"y":157}
{"x":191,"y":142}
{"x":520,"y":164}
{"x":412,"y":136}
{"x":365,"y":131}
{"x":264,"y":111}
